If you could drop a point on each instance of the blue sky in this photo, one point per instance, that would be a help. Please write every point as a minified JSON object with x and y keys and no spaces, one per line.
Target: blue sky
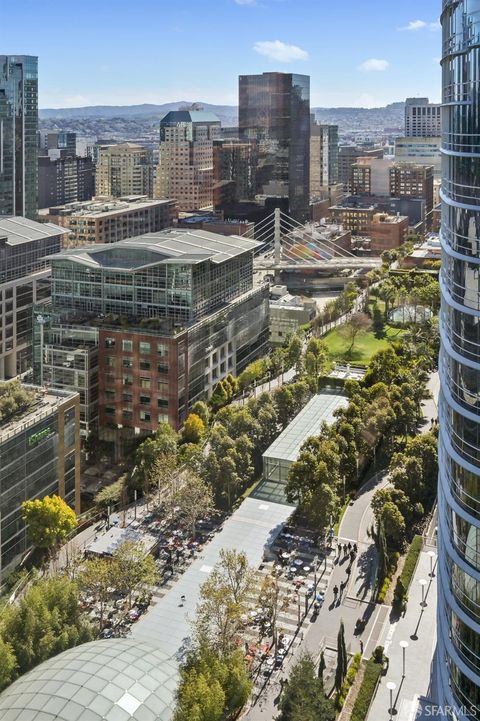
{"x":357,"y":52}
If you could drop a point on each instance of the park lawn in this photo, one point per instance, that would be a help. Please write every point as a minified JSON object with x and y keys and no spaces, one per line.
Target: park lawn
{"x":365,"y":345}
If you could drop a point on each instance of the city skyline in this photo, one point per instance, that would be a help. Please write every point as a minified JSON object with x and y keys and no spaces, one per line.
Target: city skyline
{"x":376,"y":57}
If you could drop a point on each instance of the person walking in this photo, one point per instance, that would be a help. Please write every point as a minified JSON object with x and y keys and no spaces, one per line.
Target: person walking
{"x":361,"y":647}
{"x":335,"y":591}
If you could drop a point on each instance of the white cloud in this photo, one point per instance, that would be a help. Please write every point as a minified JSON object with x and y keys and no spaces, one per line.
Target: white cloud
{"x":415,"y":25}
{"x":276,"y":50}
{"x":374,"y":65}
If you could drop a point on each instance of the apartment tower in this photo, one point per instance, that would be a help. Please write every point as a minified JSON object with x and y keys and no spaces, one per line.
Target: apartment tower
{"x":458,"y":657}
{"x":124,"y":169}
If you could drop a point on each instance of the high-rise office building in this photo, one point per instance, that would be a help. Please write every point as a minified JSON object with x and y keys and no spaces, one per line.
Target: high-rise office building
{"x":64,"y":180}
{"x":458,"y":652}
{"x":24,"y":279}
{"x":274,"y":108}
{"x":235,"y":161}
{"x":348,"y":156}
{"x":185,"y":170}
{"x":422,"y":119}
{"x":124,"y":169}
{"x":63,"y":144}
{"x":18,"y":135}
{"x":409,"y":180}
{"x":422,"y":151}
{"x":323,"y":157}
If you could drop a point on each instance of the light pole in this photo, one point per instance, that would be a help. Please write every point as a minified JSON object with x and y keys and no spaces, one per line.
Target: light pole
{"x":315,"y":568}
{"x":403,"y":646}
{"x":299,"y":610}
{"x":423,"y":583}
{"x":135,"y":498}
{"x":41,"y":322}
{"x":391,"y":687}
{"x":431,"y":555}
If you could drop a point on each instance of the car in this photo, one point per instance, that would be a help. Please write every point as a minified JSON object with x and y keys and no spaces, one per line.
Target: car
{"x":106,"y":633}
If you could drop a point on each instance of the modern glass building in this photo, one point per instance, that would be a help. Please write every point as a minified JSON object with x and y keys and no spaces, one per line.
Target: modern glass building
{"x":459,"y":412}
{"x":39,"y":456}
{"x":18,"y":135}
{"x":274,"y":109}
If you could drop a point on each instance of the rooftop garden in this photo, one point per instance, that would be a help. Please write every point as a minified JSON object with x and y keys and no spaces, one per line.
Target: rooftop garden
{"x":14,"y":398}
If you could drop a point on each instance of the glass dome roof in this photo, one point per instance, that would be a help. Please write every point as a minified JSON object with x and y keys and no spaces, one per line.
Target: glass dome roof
{"x":109,"y":680}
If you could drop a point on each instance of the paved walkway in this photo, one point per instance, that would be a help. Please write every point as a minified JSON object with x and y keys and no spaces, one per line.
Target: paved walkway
{"x":418,"y":629}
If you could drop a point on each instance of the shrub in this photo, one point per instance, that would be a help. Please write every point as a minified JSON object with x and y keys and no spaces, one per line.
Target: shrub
{"x":349,"y":679}
{"x":411,"y":562}
{"x":367,"y":690}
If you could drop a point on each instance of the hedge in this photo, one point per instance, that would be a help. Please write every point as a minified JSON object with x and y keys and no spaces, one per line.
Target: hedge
{"x":411,"y":561}
{"x":366,"y":691}
{"x":349,"y":679}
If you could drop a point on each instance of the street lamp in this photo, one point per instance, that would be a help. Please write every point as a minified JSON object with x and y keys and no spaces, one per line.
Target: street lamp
{"x":403,"y":646}
{"x":431,"y":555}
{"x":423,"y":583}
{"x":315,"y":568}
{"x":391,"y":686}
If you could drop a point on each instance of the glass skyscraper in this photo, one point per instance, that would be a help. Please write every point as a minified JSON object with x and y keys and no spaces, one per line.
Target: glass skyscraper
{"x":18,"y":135}
{"x":459,"y":412}
{"x":274,"y":109}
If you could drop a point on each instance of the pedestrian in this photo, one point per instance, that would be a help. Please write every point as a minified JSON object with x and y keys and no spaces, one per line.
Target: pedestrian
{"x":355,"y":548}
{"x":183,"y":599}
{"x":345,"y":549}
{"x":335,"y":591}
{"x":352,"y":556}
{"x":349,"y":569}
{"x":339,"y":549}
{"x":361,"y":647}
{"x":349,"y":546}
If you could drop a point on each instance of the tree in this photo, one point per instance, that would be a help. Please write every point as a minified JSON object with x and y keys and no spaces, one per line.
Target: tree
{"x":394,"y":524}
{"x":293,"y":354}
{"x":193,"y":429}
{"x":303,"y":698}
{"x":46,"y":621}
{"x":342,"y":659}
{"x":359,"y":324}
{"x":8,"y":664}
{"x":219,"y":396}
{"x":96,"y":579}
{"x":160,"y":447}
{"x":381,"y":543}
{"x":387,"y":292}
{"x":194,"y":499}
{"x":49,"y":521}
{"x":223,"y":601}
{"x":316,"y":358}
{"x":112,"y":494}
{"x":378,"y":322}
{"x":134,"y":568}
{"x":212,"y":687}
{"x":201,"y":410}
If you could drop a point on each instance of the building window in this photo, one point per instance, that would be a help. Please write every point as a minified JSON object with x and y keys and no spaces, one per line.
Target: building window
{"x":145,"y":400}
{"x":127,"y":380}
{"x":162,"y":349}
{"x":162,"y":368}
{"x":127,"y":346}
{"x":127,"y":363}
{"x":144,"y":347}
{"x":110,"y":361}
{"x":109,"y":410}
{"x":144,"y":365}
{"x":145,"y":415}
{"x":109,"y":342}
{"x":145,"y":383}
{"x":162,"y":403}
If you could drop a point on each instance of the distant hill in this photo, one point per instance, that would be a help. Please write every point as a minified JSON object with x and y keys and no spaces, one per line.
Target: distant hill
{"x":389,"y":116}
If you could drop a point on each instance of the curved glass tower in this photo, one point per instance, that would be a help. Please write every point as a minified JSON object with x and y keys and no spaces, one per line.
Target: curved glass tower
{"x":459,"y":411}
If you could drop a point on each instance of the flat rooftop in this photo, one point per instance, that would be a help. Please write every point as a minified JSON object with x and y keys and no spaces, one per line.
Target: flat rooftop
{"x":320,"y":409}
{"x":44,"y":404}
{"x":105,"y":207}
{"x":170,"y":245}
{"x":19,"y":230}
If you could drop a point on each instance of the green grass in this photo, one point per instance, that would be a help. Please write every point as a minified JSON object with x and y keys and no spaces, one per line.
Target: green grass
{"x":365,"y":346}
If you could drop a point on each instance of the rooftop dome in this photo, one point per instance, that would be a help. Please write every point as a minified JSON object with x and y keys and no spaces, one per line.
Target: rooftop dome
{"x":110,"y":680}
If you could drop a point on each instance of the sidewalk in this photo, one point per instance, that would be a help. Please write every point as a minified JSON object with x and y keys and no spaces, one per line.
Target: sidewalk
{"x":418,"y":629}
